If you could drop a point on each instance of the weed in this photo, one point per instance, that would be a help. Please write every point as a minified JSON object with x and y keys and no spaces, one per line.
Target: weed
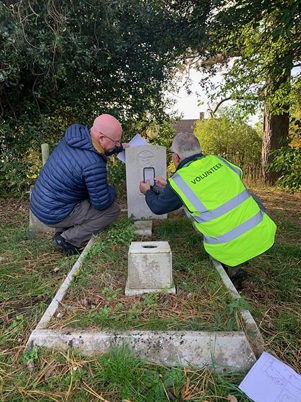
{"x":151,"y":300}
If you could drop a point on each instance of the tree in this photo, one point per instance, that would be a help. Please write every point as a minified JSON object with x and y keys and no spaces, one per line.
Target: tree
{"x":65,"y":61}
{"x":262,"y":41}
{"x":93,"y":56}
{"x":287,"y":160}
{"x":229,"y":136}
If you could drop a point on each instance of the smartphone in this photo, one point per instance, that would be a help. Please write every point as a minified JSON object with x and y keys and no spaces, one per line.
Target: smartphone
{"x":149,"y":174}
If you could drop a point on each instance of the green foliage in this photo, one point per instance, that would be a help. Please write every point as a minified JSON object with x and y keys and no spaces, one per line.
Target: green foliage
{"x":131,"y":379}
{"x":12,"y":178}
{"x":119,"y":234}
{"x":237,"y":305}
{"x":30,"y":355}
{"x":287,"y":162}
{"x":64,"y":62}
{"x":262,"y":40}
{"x":116,"y":173}
{"x":230,"y":137}
{"x":258,"y":43}
{"x":109,"y":51}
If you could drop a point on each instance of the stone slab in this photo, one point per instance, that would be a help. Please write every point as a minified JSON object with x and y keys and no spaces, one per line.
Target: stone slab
{"x":143,"y":228}
{"x":221,"y":350}
{"x":250,"y":327}
{"x":36,"y":226}
{"x":53,"y":306}
{"x":135,"y":292}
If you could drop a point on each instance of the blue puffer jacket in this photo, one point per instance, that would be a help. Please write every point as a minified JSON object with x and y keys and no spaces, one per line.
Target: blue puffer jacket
{"x":75,"y":171}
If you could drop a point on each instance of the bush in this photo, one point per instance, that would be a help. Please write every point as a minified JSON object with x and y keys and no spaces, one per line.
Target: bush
{"x":287,"y":162}
{"x":13,"y":181}
{"x":230,"y":137}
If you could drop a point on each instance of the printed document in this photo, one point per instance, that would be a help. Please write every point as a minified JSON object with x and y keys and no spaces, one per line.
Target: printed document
{"x":271,"y":380}
{"x":135,"y":141}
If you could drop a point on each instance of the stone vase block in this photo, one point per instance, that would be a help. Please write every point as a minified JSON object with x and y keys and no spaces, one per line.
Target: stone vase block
{"x":149,"y":268}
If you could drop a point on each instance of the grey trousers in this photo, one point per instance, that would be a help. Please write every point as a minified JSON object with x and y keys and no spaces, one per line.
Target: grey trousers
{"x":85,"y":220}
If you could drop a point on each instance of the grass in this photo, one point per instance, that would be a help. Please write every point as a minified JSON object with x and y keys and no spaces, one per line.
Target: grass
{"x":96,"y":298}
{"x":31,"y":271}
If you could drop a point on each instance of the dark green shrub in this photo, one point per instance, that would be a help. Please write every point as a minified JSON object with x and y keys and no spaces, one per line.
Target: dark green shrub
{"x":287,"y":162}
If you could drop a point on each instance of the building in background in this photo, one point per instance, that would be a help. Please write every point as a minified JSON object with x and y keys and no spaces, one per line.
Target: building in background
{"x":187,"y":126}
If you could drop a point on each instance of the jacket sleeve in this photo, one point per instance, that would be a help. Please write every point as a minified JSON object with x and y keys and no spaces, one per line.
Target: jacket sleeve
{"x":116,"y":150}
{"x":100,"y":193}
{"x":164,"y":202}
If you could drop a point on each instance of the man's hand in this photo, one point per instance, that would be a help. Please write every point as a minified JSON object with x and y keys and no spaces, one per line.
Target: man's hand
{"x":144,"y":186}
{"x":160,"y":182}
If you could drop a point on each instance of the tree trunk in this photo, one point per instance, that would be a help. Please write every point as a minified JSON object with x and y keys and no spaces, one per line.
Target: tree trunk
{"x":276,"y":119}
{"x":275,"y":136}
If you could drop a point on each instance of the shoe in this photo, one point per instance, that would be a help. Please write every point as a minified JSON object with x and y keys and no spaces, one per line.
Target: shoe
{"x":59,"y":242}
{"x":237,"y":275}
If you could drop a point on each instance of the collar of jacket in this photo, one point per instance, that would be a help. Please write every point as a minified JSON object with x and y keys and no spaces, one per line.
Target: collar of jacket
{"x":190,"y":159}
{"x":97,"y":146}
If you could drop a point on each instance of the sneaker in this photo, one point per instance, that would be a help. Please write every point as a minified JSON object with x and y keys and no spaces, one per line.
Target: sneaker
{"x":59,"y":242}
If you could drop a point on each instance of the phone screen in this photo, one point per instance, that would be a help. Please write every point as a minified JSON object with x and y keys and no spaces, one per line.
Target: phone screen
{"x":149,"y":174}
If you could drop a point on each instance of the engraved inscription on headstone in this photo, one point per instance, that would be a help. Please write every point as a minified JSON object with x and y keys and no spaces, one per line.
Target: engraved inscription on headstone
{"x":136,"y":159}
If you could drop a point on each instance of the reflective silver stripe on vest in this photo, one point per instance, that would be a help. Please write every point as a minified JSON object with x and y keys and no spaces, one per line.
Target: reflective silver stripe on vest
{"x":239,"y":230}
{"x":197,"y":204}
{"x":206,"y":215}
{"x":223,"y":209}
{"x":236,"y":170}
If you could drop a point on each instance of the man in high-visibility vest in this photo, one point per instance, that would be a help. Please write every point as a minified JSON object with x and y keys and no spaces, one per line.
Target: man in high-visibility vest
{"x":233,"y":222}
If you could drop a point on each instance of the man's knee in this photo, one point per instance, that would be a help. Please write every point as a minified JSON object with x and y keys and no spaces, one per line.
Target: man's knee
{"x":110,"y":215}
{"x":114,"y":210}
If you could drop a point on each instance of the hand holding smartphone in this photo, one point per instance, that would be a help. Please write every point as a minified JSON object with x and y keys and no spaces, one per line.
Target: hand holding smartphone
{"x":149,"y":174}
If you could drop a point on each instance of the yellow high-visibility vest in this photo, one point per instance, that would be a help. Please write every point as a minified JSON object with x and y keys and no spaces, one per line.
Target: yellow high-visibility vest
{"x":235,"y":229}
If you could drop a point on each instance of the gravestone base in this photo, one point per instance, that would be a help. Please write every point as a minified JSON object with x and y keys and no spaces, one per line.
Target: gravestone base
{"x":223,"y":351}
{"x":143,"y":228}
{"x":149,"y":268}
{"x":136,"y":292}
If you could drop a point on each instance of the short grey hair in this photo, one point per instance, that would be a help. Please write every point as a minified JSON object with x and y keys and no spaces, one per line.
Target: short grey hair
{"x":185,"y":145}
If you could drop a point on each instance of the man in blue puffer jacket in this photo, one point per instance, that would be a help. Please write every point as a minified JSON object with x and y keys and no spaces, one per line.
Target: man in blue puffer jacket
{"x":72,"y":193}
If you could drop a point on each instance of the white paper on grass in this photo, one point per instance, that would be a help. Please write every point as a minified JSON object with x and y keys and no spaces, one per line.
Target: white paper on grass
{"x":135,"y":141}
{"x":271,"y":380}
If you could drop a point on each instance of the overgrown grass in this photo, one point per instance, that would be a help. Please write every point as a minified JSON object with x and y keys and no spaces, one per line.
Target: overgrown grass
{"x":31,"y":271}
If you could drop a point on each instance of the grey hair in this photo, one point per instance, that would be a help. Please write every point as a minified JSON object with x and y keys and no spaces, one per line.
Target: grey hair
{"x":185,"y":145}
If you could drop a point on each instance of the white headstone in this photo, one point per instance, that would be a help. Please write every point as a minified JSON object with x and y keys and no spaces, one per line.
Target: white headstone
{"x":136,"y":159}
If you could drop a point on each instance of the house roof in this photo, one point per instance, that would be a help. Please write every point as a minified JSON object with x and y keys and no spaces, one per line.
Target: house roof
{"x":185,"y":126}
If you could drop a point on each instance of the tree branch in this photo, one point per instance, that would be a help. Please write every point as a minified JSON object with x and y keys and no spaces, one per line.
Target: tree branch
{"x":212,"y":112}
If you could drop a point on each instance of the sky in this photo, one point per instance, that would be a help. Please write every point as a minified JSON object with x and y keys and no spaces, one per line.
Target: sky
{"x":188,"y":104}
